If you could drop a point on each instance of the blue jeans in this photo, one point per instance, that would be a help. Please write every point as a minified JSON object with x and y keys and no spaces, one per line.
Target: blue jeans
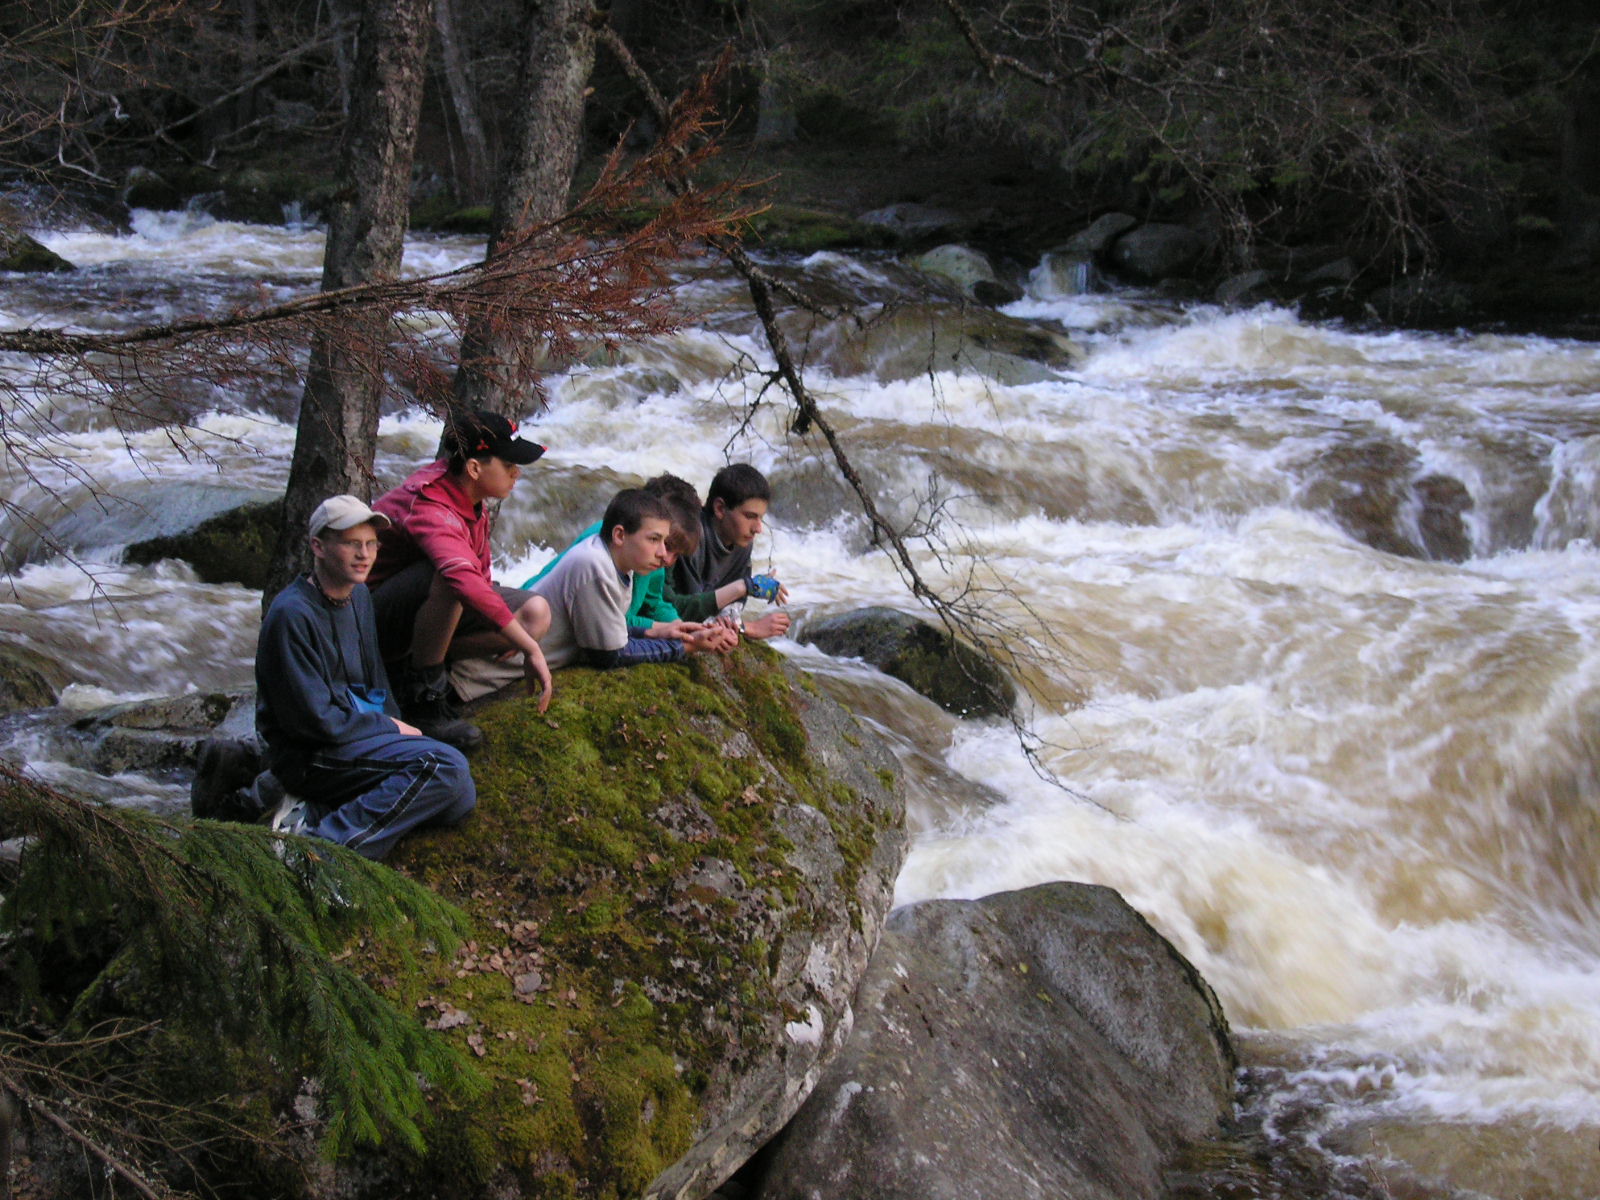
{"x":374,"y":791}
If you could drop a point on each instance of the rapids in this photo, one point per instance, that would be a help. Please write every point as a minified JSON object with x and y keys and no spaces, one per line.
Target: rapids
{"x":1311,"y":619}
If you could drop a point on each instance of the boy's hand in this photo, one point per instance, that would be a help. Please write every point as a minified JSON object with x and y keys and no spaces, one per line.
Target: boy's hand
{"x":408,"y":730}
{"x":680,"y":629}
{"x":718,"y":639}
{"x":537,"y":674}
{"x":773,"y":624}
{"x":766,"y":587}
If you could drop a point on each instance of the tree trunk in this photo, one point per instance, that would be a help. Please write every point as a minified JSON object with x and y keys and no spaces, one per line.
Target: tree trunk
{"x":337,"y":432}
{"x":473,"y":173}
{"x":535,"y":175}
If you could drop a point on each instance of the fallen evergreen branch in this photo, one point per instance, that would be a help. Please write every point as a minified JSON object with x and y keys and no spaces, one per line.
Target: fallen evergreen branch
{"x":221,"y":931}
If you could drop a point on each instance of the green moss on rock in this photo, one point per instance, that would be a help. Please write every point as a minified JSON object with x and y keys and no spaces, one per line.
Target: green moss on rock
{"x":641,"y":908}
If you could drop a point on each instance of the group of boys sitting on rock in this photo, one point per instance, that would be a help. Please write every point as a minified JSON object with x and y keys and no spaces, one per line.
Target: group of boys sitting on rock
{"x":363,"y":662}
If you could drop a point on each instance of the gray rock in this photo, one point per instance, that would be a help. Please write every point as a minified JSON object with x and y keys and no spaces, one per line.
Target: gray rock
{"x":1243,"y":288}
{"x":1097,"y":238}
{"x":143,"y":188}
{"x":1044,"y":1043}
{"x":28,"y":679}
{"x":820,"y":946}
{"x":1339,"y":271}
{"x":1154,"y":252}
{"x":162,"y":734}
{"x":19,"y":252}
{"x":233,"y":545}
{"x":909,"y":341}
{"x":970,"y":270}
{"x":950,"y":673}
{"x":909,"y":221}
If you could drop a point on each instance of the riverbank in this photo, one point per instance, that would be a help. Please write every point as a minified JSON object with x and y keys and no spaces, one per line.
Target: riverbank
{"x":811,"y":196}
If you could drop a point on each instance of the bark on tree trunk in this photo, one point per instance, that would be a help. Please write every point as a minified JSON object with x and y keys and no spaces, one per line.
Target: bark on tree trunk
{"x":336,"y":436}
{"x":535,"y":173}
{"x":473,"y":173}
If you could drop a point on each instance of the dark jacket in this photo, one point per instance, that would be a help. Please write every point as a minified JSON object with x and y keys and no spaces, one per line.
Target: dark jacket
{"x":309,"y":655}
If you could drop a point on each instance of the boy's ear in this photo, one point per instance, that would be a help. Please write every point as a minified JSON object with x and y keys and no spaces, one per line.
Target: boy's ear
{"x":472,"y":468}
{"x":616,"y":535}
{"x":719,"y":506}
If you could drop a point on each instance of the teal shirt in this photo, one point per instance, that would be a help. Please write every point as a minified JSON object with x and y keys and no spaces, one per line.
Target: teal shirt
{"x":649,"y":603}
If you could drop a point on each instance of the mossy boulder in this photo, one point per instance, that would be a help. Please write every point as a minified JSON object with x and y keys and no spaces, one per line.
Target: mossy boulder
{"x":233,"y":546}
{"x":676,"y":875}
{"x":950,"y":673}
{"x":19,"y":252}
{"x":28,"y":679}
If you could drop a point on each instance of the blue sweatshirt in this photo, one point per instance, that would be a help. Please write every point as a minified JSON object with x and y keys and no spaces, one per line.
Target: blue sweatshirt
{"x":309,"y":656}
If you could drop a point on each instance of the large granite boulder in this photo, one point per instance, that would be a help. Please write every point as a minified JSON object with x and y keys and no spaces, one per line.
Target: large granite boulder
{"x":970,"y":271}
{"x":233,"y":545}
{"x":927,"y":659}
{"x":1157,"y":251}
{"x":672,"y":885}
{"x":1044,"y":1043}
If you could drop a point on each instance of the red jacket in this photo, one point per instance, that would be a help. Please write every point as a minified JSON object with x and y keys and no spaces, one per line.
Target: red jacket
{"x":433,"y":519}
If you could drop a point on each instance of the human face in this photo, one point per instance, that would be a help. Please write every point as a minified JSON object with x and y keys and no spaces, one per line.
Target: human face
{"x":739,"y":526}
{"x":344,"y":557}
{"x":644,"y":550}
{"x":679,"y":543}
{"x":492,"y":478}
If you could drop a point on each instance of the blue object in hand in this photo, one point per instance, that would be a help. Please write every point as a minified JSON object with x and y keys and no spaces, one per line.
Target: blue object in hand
{"x":763,"y":587}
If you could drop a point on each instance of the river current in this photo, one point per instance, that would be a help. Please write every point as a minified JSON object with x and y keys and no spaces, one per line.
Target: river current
{"x":1310,"y":615}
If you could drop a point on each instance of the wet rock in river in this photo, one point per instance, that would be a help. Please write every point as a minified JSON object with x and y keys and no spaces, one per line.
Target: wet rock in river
{"x":28,"y":679}
{"x":914,"y":340}
{"x":950,"y":673}
{"x":1038,"y":1043}
{"x":971,"y":272}
{"x":232,"y":546}
{"x":1157,"y":251}
{"x":158,"y":735}
{"x":19,"y":252}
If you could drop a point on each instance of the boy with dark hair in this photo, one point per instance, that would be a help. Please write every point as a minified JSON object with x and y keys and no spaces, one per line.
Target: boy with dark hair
{"x":331,"y":733}
{"x":590,"y":588}
{"x":432,"y":589}
{"x":651,"y":613}
{"x":717,"y":575}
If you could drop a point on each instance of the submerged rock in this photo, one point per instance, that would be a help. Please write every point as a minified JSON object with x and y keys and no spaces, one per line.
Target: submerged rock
{"x":1033,"y":1044}
{"x":950,"y":673}
{"x":914,"y":340}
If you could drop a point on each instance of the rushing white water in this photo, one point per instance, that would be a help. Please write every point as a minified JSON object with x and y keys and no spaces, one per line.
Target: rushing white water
{"x":1314,"y":626}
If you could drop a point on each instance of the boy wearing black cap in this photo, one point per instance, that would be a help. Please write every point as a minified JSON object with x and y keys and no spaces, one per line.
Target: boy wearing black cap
{"x":431,"y":586}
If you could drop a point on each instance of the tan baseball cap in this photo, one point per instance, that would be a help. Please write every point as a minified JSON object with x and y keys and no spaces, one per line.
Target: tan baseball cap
{"x":345,"y":512}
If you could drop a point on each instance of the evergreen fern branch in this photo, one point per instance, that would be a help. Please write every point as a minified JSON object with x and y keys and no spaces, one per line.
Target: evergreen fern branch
{"x":234,"y":926}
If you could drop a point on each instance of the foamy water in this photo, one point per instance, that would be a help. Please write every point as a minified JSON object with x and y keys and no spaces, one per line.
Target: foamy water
{"x":1356,"y":788}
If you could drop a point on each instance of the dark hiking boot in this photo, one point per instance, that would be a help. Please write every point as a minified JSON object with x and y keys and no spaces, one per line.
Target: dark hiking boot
{"x":429,"y":702}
